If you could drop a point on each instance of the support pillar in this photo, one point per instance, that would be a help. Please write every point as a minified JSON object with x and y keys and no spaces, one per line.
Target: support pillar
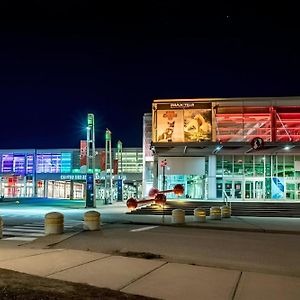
{"x":212,"y":181}
{"x":155,"y":172}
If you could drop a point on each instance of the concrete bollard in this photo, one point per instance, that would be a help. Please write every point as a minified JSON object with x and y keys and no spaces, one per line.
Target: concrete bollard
{"x":91,"y":220}
{"x":200,"y":215}
{"x":178,"y":216}
{"x":226,"y":211}
{"x":1,"y":228}
{"x":215,"y":213}
{"x":54,"y":223}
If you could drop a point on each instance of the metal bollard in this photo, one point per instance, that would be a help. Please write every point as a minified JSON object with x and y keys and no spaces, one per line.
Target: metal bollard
{"x":226,"y":211}
{"x":200,"y":215}
{"x":178,"y":216}
{"x":54,"y":223}
{"x":1,"y":228}
{"x":215,"y":213}
{"x":91,"y":220}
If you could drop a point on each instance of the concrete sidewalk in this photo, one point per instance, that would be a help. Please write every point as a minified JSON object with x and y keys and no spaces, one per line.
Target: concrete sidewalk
{"x":154,"y":278}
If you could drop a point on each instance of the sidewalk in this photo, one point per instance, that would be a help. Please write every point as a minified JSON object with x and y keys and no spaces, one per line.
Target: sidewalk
{"x":152,"y":278}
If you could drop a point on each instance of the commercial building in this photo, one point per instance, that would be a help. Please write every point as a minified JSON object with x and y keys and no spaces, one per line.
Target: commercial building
{"x":56,"y":173}
{"x":242,"y":149}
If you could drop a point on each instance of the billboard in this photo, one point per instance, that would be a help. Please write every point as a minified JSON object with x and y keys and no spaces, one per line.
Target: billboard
{"x":183,"y":122}
{"x":83,"y":152}
{"x":277,"y":188}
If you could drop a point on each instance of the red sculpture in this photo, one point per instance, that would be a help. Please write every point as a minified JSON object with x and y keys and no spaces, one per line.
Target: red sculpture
{"x":159,"y":197}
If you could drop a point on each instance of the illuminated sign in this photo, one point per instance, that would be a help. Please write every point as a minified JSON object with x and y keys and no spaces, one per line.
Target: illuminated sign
{"x":182,"y":105}
{"x":183,"y":122}
{"x":73,"y":177}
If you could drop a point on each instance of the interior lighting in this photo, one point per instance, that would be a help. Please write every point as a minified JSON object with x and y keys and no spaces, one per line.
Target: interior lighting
{"x":287,"y":148}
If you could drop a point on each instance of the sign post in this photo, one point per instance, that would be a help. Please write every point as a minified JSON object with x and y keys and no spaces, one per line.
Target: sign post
{"x":163,"y":164}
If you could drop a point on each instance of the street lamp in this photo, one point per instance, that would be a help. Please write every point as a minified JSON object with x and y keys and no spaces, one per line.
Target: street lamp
{"x":90,"y":159}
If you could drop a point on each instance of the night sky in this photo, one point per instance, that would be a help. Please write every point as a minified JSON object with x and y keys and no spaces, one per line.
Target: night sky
{"x":60,"y":60}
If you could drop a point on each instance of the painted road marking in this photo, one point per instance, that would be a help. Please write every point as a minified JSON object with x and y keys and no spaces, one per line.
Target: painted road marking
{"x":143,"y":228}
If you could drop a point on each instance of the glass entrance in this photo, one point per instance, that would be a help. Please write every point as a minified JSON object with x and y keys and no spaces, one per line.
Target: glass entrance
{"x":233,"y":189}
{"x":254,"y":189}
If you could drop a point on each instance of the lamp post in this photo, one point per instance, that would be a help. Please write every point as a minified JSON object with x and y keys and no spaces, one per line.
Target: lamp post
{"x":120,"y":177}
{"x":90,"y":161}
{"x":108,"y":167}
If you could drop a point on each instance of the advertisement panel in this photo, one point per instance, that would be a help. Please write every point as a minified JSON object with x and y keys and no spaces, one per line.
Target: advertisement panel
{"x":183,"y":122}
{"x":277,"y":188}
{"x":83,"y":152}
{"x":197,"y":125}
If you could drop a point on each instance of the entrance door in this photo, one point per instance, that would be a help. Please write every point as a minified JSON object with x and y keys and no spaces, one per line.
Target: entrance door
{"x":233,"y":189}
{"x":254,"y":189}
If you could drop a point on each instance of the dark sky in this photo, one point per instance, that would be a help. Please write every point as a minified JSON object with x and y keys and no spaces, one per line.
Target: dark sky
{"x":60,"y":60}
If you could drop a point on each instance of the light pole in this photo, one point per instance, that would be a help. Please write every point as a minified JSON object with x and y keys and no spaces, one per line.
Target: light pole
{"x":90,"y":161}
{"x":108,"y":167}
{"x":120,"y":177}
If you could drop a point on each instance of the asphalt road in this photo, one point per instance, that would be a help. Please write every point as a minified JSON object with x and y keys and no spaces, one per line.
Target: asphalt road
{"x":21,"y":211}
{"x":248,"y":251}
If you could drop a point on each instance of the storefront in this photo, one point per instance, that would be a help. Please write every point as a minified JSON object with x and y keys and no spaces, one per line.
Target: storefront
{"x":56,"y":173}
{"x":235,"y":149}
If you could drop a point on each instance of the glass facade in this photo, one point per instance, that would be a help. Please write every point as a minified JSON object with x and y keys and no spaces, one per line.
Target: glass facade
{"x":57,"y":174}
{"x":253,"y":151}
{"x":258,"y":177}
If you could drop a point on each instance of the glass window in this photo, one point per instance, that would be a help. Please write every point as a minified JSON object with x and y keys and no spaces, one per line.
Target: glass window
{"x":289,"y":170}
{"x":259,"y":165}
{"x":248,"y":165}
{"x":238,"y":165}
{"x":268,"y":194}
{"x":280,"y":166}
{"x":274,"y":166}
{"x":268,"y":165}
{"x":219,"y":188}
{"x":228,"y":165}
{"x":219,"y":166}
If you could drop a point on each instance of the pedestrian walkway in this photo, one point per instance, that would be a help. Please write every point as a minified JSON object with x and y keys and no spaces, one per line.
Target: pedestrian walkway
{"x":153,"y":278}
{"x":31,"y":231}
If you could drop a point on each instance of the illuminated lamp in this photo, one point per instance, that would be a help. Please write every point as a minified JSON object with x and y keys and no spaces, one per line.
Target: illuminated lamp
{"x":287,"y":147}
{"x":178,"y":189}
{"x":153,"y":192}
{"x":160,"y":199}
{"x":132,"y":203}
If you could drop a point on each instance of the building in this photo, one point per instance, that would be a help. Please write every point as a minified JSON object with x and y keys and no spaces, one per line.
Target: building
{"x":56,"y":173}
{"x":242,"y":149}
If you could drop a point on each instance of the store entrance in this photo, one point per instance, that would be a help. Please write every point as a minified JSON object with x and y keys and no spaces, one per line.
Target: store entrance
{"x":194,"y":186}
{"x":233,"y":189}
{"x":254,"y":189}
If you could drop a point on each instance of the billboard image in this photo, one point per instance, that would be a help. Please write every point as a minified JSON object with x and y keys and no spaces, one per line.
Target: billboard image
{"x":197,"y":125}
{"x":184,"y":124}
{"x":169,"y":126}
{"x":277,"y":188}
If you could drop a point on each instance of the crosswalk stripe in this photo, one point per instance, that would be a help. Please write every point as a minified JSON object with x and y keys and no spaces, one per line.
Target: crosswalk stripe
{"x":143,"y":228}
{"x":19,"y":238}
{"x":31,"y":231}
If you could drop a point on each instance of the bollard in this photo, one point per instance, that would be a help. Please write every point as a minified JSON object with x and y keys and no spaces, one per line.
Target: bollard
{"x":226,"y":211}
{"x":178,"y":216}
{"x":91,"y":220}
{"x":1,"y":227}
{"x":215,"y":213}
{"x":200,"y":215}
{"x":54,"y":223}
